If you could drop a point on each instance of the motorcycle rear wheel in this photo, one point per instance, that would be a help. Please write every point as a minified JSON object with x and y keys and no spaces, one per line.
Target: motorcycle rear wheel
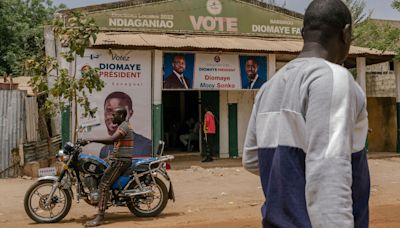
{"x":60,"y":196}
{"x":160,"y":194}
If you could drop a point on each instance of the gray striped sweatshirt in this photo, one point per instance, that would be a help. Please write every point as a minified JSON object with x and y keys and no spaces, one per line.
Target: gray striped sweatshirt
{"x":306,"y":139}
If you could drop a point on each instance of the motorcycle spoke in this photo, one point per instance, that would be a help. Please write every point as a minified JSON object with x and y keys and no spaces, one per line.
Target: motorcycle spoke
{"x":35,"y":209}
{"x":148,"y":206}
{"x":51,"y":213}
{"x":38,"y":194}
{"x":60,"y":199}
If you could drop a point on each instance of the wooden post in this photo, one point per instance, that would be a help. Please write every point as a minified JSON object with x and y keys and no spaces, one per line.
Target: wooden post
{"x":361,"y":73}
{"x":397,"y":75}
{"x":271,"y":65}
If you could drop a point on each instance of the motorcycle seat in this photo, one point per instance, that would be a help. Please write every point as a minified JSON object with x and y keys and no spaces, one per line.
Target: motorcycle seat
{"x":140,"y":165}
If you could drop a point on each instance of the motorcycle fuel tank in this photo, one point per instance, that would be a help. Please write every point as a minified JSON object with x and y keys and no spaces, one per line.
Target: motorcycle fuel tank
{"x":91,"y":164}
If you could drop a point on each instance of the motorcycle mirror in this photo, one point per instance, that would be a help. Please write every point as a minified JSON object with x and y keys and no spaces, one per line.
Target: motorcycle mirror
{"x":88,"y":127}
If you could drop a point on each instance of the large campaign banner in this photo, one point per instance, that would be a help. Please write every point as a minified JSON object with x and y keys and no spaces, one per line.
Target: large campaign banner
{"x":127,"y":77}
{"x":213,"y":71}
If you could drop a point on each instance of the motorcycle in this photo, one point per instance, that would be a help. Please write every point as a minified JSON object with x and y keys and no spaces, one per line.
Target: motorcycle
{"x":142,"y":188}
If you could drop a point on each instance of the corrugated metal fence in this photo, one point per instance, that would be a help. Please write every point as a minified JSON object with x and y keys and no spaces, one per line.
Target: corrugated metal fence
{"x":12,"y":126}
{"x":32,"y":120}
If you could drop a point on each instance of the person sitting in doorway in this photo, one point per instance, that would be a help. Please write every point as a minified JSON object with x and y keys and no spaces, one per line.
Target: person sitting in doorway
{"x":191,"y":135}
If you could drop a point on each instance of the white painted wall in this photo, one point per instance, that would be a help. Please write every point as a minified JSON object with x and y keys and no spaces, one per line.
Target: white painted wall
{"x":244,"y":100}
{"x":157,"y":77}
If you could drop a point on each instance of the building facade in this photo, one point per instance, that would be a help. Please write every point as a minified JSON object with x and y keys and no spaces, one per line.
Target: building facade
{"x":168,"y":59}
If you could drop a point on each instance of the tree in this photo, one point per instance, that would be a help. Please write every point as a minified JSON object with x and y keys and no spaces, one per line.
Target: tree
{"x":396,"y":4}
{"x":273,"y":2}
{"x":379,"y":35}
{"x":68,"y":88}
{"x":358,"y":11}
{"x":21,"y":31}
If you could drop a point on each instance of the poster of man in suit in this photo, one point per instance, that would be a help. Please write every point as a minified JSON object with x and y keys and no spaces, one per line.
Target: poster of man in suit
{"x":253,"y":71}
{"x":178,"y":71}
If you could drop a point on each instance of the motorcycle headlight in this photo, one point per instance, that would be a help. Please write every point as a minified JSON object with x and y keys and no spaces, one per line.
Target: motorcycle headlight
{"x":61,"y":156}
{"x":68,"y":148}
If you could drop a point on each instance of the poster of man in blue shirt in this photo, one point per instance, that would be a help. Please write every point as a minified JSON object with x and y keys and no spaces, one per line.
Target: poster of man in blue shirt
{"x":253,"y":71}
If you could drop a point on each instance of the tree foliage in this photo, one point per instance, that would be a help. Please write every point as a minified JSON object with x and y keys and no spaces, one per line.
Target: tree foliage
{"x":358,"y":11}
{"x":68,"y":88}
{"x":396,"y":4}
{"x":380,"y":35}
{"x":273,"y":2}
{"x":21,"y":31}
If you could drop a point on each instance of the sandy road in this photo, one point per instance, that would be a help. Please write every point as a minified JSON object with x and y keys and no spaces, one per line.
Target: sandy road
{"x":217,"y":197}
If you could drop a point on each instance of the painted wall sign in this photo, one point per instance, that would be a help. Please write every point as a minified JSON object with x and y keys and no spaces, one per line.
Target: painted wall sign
{"x":200,"y":16}
{"x":127,"y":77}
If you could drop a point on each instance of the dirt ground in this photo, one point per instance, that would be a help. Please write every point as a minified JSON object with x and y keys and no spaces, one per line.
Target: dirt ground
{"x":212,"y":197}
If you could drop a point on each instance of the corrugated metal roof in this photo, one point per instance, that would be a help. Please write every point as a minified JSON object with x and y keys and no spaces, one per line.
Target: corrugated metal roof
{"x":228,"y":43}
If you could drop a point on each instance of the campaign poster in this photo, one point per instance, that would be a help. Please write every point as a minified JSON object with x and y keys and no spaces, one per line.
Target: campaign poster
{"x":217,"y":72}
{"x":253,"y":71}
{"x":178,"y":71}
{"x":127,"y":78}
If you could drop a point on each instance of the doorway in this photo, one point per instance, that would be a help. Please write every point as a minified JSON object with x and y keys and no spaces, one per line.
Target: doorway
{"x":183,"y":113}
{"x":180,"y":116}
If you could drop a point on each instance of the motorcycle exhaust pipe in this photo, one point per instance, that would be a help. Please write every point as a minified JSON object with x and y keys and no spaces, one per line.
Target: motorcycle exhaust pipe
{"x":132,"y":193}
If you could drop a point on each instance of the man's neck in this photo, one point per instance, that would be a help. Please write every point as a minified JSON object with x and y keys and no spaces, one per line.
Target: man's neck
{"x":316,"y":50}
{"x":177,"y":74}
{"x":251,"y":80}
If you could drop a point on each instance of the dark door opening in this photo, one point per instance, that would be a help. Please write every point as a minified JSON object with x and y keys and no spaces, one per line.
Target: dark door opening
{"x":181,"y":125}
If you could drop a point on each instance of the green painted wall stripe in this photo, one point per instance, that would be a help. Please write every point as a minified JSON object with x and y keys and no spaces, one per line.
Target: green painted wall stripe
{"x":233,"y":130}
{"x":157,"y":125}
{"x":65,"y":125}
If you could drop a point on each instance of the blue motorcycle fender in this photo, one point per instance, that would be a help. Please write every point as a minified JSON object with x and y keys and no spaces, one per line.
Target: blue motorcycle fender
{"x":54,"y":178}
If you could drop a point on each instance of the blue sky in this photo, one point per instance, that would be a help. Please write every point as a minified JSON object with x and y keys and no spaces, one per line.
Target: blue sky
{"x":381,"y":9}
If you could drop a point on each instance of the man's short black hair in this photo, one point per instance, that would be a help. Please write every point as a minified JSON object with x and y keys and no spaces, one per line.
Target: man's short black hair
{"x":178,"y":56}
{"x":326,"y":16}
{"x":120,"y":95}
{"x":252,"y":59}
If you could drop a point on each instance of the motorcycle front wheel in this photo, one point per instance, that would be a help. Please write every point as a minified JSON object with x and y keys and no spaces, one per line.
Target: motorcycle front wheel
{"x":152,"y":204}
{"x":35,"y":202}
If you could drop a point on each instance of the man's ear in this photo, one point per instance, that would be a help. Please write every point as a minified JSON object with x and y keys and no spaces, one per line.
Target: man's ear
{"x":347,"y":33}
{"x":130,"y":114}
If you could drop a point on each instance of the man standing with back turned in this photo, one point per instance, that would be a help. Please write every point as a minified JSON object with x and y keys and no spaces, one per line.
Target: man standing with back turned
{"x":307,"y":131}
